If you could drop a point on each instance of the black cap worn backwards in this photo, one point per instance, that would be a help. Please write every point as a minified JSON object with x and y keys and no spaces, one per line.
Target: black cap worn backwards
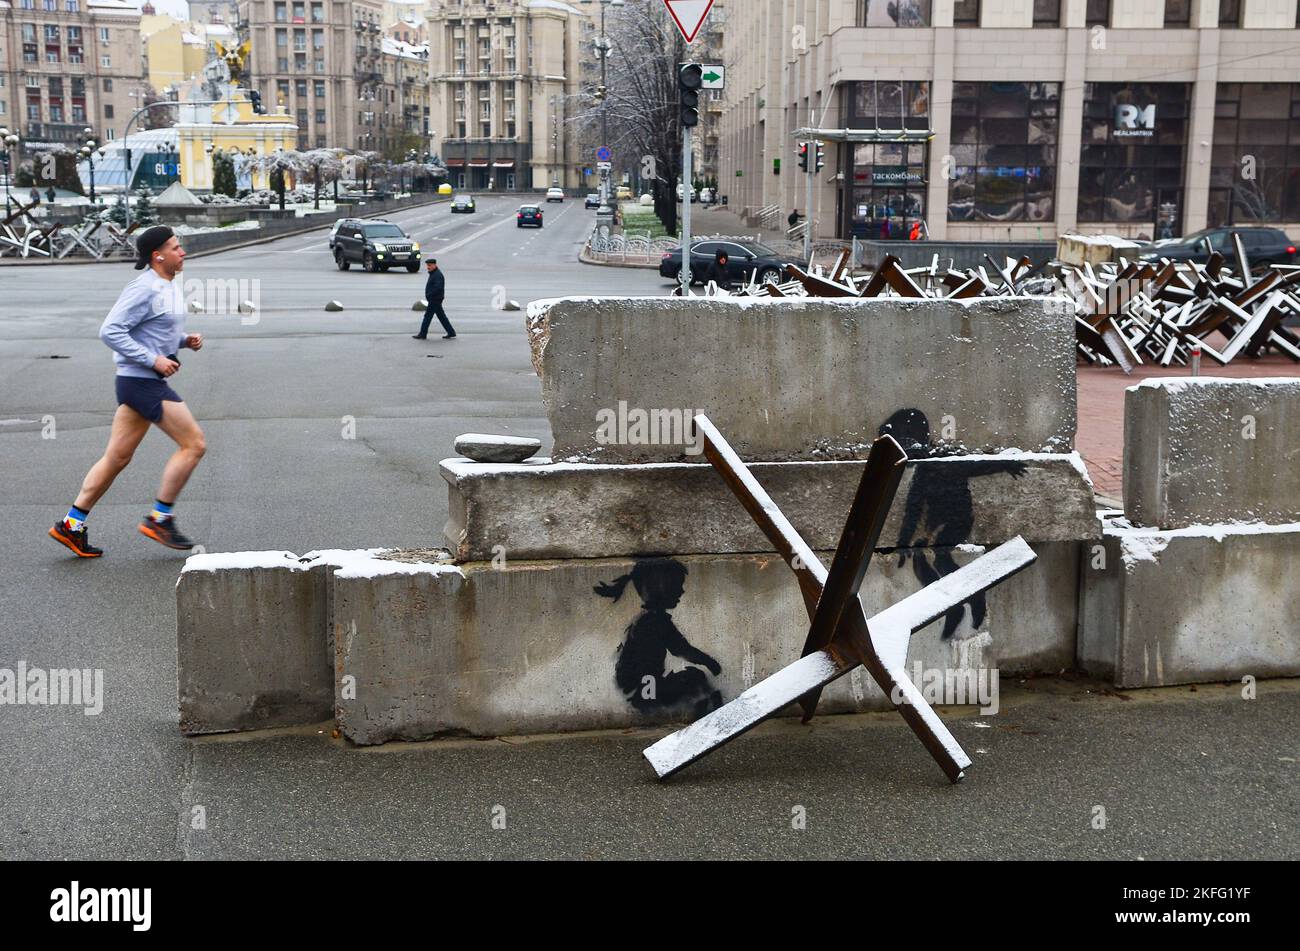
{"x":150,"y":240}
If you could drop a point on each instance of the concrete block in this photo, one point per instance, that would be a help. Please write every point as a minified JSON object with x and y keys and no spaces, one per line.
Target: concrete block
{"x":254,"y":639}
{"x":795,"y":378}
{"x":1201,"y":450}
{"x":427,"y":649}
{"x":251,"y":647}
{"x":541,"y":509}
{"x":1193,"y":605}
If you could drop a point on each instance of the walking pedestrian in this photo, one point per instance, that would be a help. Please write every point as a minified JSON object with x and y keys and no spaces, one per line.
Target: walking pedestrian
{"x":434,"y":291}
{"x":144,"y":329}
{"x":718,"y":271}
{"x":34,"y":195}
{"x":794,"y":217}
{"x":49,"y":194}
{"x":915,"y":234}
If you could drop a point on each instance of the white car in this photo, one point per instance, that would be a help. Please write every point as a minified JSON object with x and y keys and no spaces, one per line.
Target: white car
{"x":679,"y":192}
{"x":555,"y":194}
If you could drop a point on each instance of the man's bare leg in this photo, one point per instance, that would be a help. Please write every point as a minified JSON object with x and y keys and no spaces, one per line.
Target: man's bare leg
{"x":128,"y":429}
{"x":178,"y":423}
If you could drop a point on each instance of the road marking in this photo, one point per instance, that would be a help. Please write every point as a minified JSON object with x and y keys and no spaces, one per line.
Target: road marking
{"x":476,"y":235}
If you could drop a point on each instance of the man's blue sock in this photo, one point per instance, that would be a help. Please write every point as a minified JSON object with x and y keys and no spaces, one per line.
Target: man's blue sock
{"x":162,"y":511}
{"x":75,"y":518}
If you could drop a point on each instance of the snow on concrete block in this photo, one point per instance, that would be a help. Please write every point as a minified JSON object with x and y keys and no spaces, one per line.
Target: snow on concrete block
{"x":1206,"y":450}
{"x":420,"y":305}
{"x":540,"y":509}
{"x":1169,"y":607}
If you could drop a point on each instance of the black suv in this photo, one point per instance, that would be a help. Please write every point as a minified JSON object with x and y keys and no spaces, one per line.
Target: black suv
{"x":744,"y":258}
{"x":375,"y":245}
{"x":1264,"y":246}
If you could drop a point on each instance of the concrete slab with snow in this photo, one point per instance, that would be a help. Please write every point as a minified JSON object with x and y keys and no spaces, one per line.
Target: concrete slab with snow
{"x":1194,"y":605}
{"x":1206,"y":450}
{"x":532,"y":647}
{"x":541,"y":509}
{"x":803,"y":378}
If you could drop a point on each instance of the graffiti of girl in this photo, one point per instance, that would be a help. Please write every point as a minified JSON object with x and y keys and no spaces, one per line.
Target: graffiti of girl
{"x":652,"y":636}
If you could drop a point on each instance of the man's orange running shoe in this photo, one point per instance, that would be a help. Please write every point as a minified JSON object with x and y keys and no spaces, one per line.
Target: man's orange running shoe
{"x":78,"y":541}
{"x":165,"y":533}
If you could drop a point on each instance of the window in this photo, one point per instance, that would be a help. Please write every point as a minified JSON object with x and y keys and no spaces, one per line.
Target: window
{"x":318,"y":40}
{"x":320,"y":116}
{"x":72,"y":6}
{"x":299,"y":13}
{"x":1004,"y":139}
{"x":1255,"y":162}
{"x":895,"y":13}
{"x":106,"y":61}
{"x":281,"y":13}
{"x":966,"y":13}
{"x":1178,"y":13}
{"x":318,"y":13}
{"x":27,"y":5}
{"x":281,"y":39}
{"x":1229,"y":13}
{"x":282,"y":64}
{"x":1047,"y":13}
{"x":108,"y":113}
{"x":1133,"y":153}
{"x":103,"y":34}
{"x":51,"y":6}
{"x":108,"y":85}
{"x":300,"y":87}
{"x":3,"y":108}
{"x":299,"y":41}
{"x":1098,"y":13}
{"x":319,"y":89}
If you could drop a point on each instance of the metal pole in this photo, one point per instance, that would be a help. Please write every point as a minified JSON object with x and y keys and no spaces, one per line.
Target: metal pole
{"x":808,"y":200}
{"x":686,"y":211}
{"x":604,"y":104}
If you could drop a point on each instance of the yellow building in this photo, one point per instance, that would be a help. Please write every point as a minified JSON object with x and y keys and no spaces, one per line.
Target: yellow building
{"x":177,"y":51}
{"x":230,"y":127}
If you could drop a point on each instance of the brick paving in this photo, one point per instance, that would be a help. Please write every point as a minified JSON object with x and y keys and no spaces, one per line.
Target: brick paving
{"x":1100,"y":437}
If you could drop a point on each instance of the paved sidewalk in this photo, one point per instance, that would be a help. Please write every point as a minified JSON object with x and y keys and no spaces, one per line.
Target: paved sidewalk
{"x":1100,"y":437}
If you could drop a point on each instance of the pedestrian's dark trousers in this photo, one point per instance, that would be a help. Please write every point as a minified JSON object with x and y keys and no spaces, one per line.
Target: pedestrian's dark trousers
{"x":435,"y":308}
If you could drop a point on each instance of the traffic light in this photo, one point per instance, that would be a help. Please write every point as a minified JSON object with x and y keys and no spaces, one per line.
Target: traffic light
{"x":255,"y":98}
{"x":689,"y":79}
{"x":821,"y":157}
{"x":803,"y":156}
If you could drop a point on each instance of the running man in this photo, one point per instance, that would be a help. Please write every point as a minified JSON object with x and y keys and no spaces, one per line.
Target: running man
{"x":145,"y":329}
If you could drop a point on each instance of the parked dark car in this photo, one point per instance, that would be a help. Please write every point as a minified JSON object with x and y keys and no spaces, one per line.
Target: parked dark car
{"x":528,"y":216}
{"x":1264,"y":246}
{"x":462,"y":205}
{"x":375,"y":245}
{"x":743,"y":259}
{"x":591,"y":201}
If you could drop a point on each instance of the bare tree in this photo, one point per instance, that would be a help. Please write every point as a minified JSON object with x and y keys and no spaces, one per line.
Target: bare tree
{"x":325,"y":166}
{"x":640,"y":103}
{"x":277,"y":164}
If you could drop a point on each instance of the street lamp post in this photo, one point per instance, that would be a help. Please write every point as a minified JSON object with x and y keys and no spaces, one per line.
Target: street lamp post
{"x":8,"y":141}
{"x":603,"y":46}
{"x":87,"y":152}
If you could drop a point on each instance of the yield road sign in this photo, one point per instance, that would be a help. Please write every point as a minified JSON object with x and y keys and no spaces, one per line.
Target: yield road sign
{"x":713,"y":78}
{"x":604,"y":154}
{"x":688,"y":15}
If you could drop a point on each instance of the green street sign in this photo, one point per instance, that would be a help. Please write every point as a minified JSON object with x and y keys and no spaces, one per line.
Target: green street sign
{"x":713,"y":77}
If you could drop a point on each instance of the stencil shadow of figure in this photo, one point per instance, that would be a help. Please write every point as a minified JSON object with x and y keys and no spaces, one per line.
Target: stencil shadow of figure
{"x":652,"y":636}
{"x":939,"y":512}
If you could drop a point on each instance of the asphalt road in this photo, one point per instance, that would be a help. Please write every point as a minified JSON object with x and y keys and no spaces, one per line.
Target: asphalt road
{"x":1181,"y":774}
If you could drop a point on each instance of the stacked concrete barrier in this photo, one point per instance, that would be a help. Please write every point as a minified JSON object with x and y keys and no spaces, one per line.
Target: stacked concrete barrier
{"x":623,"y":585}
{"x":1194,"y":583}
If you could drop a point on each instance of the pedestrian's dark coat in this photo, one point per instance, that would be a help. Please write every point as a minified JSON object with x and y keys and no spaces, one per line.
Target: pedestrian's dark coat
{"x":718,"y":273}
{"x":434,"y":287}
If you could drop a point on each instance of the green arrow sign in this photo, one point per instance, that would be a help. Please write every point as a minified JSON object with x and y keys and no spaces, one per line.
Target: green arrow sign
{"x":711,"y":76}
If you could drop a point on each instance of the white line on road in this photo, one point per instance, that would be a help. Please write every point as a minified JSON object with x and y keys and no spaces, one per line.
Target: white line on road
{"x":478,"y":234}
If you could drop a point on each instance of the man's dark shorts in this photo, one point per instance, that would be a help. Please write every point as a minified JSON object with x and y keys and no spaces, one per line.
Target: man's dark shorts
{"x":145,"y":396}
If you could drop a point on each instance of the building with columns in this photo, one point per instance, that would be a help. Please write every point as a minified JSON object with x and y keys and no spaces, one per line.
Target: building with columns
{"x":502,"y":73}
{"x":1017,"y":119}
